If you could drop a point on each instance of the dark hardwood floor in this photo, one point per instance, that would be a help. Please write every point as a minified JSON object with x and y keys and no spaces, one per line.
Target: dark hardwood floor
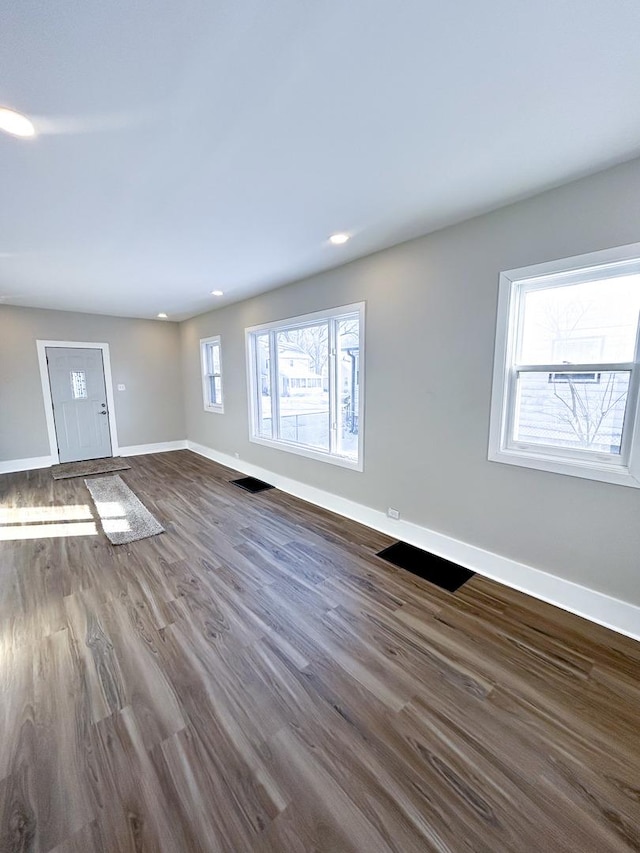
{"x":255,"y":679}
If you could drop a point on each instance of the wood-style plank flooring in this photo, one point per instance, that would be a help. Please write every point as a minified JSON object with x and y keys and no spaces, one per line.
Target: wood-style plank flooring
{"x":256,"y":679}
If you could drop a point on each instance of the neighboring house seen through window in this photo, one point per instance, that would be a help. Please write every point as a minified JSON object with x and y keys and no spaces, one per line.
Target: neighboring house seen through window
{"x":211,"y":360}
{"x":305,"y":384}
{"x":565,"y":394}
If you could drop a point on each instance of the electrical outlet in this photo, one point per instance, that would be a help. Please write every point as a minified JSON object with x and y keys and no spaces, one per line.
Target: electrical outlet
{"x":237,"y":455}
{"x":122,"y":387}
{"x":393,"y":513}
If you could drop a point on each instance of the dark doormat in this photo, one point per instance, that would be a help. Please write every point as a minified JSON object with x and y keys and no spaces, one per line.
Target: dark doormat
{"x":436,"y":570}
{"x":251,"y":484}
{"x":88,"y":468}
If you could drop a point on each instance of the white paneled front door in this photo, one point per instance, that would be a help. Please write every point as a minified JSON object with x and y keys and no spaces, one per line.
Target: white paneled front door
{"x":80,"y":412}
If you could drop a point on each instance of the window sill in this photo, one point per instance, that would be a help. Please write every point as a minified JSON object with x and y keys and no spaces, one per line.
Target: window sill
{"x":309,"y":452}
{"x":616,"y":474}
{"x":219,"y":410}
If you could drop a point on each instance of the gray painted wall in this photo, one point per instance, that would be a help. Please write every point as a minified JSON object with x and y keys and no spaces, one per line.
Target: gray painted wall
{"x":145,"y":356}
{"x":431,"y":315}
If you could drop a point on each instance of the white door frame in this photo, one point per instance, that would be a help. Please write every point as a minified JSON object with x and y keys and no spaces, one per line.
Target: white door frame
{"x":46,"y":391}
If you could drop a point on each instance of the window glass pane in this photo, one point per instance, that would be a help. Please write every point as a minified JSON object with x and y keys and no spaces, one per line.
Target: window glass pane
{"x":583,"y":411}
{"x":215,"y":358}
{"x":264,"y":424}
{"x":208,"y":352}
{"x":348,"y":352}
{"x":595,"y":321}
{"x":214,"y":396}
{"x":303,"y":385}
{"x":212,"y":358}
{"x":217,"y":382}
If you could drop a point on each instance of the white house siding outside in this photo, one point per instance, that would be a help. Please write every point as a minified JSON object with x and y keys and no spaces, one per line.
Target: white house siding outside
{"x":581,"y":411}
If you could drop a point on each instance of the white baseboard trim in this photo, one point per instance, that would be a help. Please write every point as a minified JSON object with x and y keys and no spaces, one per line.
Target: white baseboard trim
{"x":31,"y":462}
{"x":28,"y":464}
{"x":160,"y":447}
{"x":620,"y":616}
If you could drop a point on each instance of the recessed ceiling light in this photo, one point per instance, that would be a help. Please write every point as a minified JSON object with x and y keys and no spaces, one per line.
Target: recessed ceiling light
{"x":162,"y":316}
{"x":15,"y":123}
{"x":217,"y":293}
{"x":338,"y":239}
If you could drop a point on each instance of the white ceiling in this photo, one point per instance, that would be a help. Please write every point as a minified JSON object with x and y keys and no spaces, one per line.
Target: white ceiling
{"x":186,"y":146}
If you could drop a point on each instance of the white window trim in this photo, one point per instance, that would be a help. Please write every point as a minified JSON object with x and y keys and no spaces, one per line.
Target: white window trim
{"x":625,"y":471}
{"x":253,"y":384}
{"x":217,"y":408}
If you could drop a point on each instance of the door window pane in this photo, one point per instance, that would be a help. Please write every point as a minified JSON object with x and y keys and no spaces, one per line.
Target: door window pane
{"x":79,"y":384}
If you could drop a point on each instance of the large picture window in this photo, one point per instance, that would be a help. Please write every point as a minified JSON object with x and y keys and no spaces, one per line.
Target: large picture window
{"x":306,"y":384}
{"x":565,"y":393}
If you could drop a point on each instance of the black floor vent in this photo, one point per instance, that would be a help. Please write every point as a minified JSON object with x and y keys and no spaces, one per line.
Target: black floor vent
{"x":250,"y":484}
{"x":436,"y":570}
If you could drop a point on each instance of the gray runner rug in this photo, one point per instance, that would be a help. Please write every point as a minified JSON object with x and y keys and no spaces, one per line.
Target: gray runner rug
{"x":84,"y":469}
{"x":124,"y":517}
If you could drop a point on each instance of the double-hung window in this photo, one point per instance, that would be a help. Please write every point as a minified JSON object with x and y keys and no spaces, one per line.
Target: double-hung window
{"x":305,"y":378}
{"x":566,"y":374}
{"x":211,"y":360}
